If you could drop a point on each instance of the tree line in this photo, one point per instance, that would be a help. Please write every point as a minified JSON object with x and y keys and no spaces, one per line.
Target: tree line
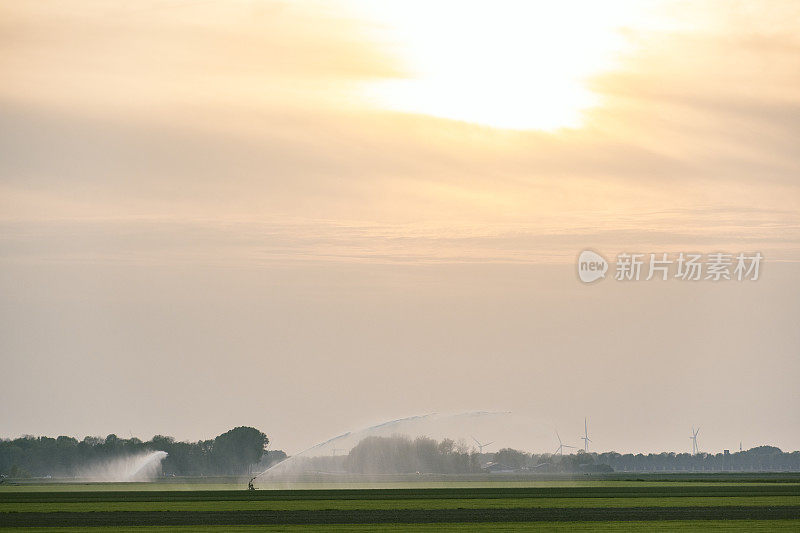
{"x":402,"y":455}
{"x":234,"y":452}
{"x":243,"y":450}
{"x":758,"y":459}
{"x":398,"y":454}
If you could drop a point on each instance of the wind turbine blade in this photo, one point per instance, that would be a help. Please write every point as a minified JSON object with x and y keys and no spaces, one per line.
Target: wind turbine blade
{"x":488,"y":443}
{"x":559,"y":437}
{"x":476,"y":441}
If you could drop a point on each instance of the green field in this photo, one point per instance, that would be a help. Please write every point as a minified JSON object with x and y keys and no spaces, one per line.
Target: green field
{"x":769,"y":503}
{"x":677,"y":525}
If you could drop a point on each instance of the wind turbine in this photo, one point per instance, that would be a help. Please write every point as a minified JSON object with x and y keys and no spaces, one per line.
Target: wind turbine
{"x":693,"y":438}
{"x":586,"y":440}
{"x":481,"y":446}
{"x":561,"y":445}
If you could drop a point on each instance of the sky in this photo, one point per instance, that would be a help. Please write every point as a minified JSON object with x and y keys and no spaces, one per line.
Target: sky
{"x":311,"y":217}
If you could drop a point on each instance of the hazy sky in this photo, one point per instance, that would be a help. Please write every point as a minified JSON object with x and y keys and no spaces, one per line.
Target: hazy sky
{"x":314,"y":216}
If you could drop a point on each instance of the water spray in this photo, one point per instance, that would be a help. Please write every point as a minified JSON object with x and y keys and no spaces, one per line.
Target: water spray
{"x":340,"y":442}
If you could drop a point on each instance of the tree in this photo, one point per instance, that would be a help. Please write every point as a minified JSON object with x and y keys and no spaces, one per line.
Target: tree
{"x":236,"y":450}
{"x":399,"y":454}
{"x":511,"y":458}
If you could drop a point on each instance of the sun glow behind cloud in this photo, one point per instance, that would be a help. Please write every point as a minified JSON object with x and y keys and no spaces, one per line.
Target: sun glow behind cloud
{"x":508,"y":64}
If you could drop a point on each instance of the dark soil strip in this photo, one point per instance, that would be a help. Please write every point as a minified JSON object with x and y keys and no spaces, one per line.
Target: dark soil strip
{"x":392,"y":494}
{"x":402,"y":516}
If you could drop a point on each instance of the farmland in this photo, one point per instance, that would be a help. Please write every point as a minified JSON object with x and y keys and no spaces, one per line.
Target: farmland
{"x":768,"y":503}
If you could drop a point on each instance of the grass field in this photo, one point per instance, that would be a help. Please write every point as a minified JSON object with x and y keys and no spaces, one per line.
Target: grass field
{"x":769,"y":503}
{"x":677,"y":525}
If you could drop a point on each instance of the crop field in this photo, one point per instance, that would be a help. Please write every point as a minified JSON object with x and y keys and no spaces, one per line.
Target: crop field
{"x":768,"y":504}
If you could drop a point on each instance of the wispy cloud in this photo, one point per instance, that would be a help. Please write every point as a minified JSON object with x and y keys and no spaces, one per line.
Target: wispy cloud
{"x":196,"y":126}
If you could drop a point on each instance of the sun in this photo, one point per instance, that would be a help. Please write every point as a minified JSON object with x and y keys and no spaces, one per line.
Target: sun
{"x":506,"y":64}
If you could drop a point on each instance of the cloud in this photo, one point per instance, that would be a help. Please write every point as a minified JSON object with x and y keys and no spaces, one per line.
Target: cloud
{"x":186,"y":123}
